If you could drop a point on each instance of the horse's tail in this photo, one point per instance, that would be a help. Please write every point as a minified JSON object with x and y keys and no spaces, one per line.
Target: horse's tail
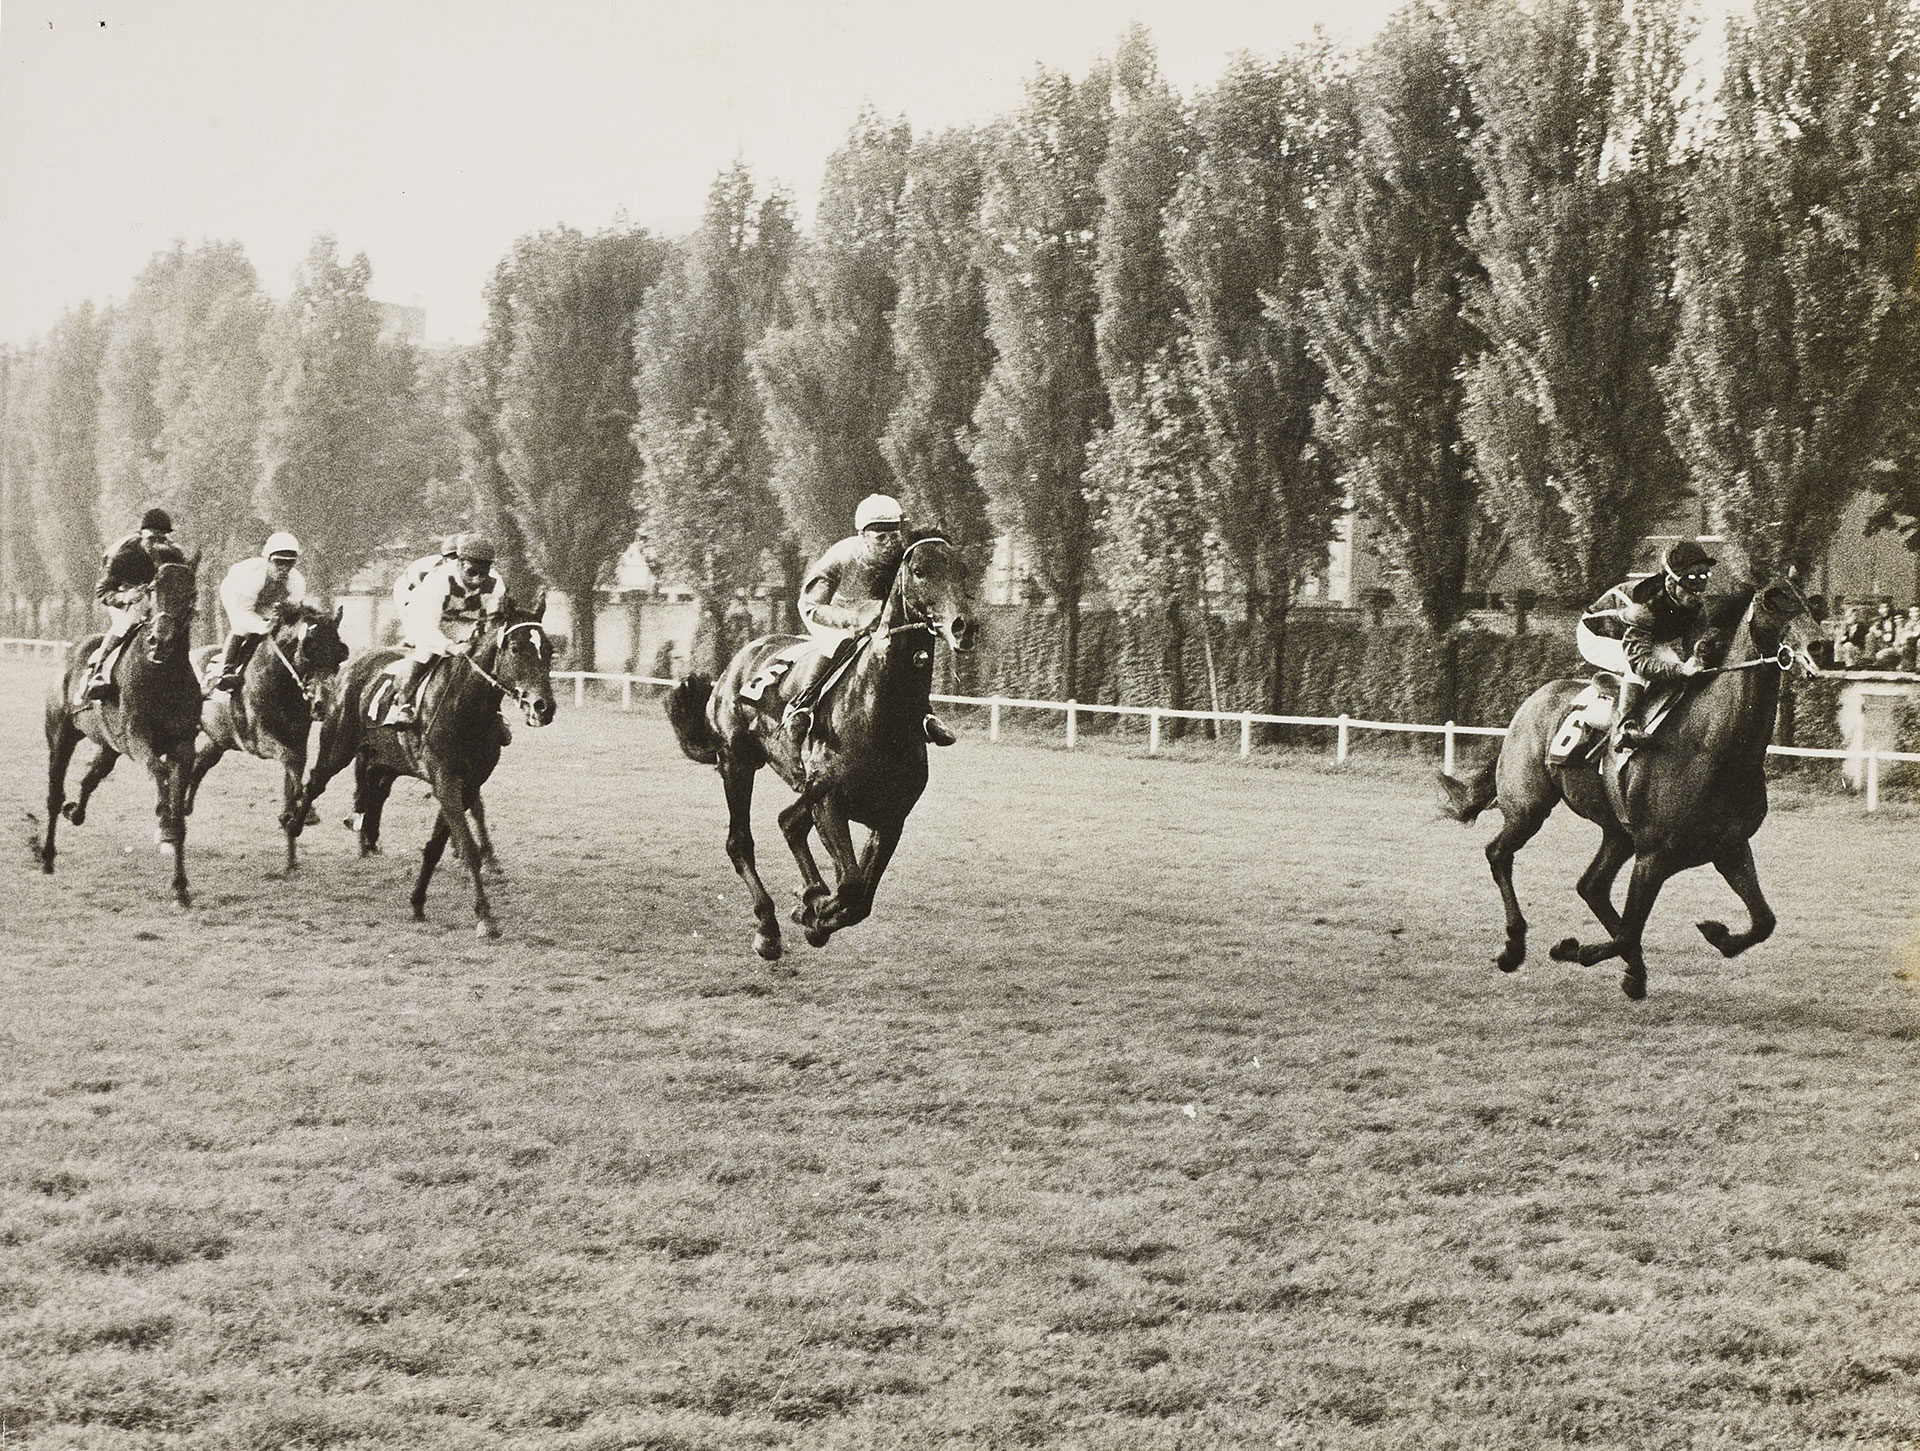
{"x":1465,"y":800}
{"x":687,"y":711}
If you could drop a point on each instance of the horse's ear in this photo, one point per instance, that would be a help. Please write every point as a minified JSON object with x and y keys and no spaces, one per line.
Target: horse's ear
{"x":339,"y":614}
{"x":193,"y":563}
{"x":539,"y":609}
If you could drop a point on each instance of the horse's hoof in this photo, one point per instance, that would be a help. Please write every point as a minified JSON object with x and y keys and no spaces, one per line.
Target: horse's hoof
{"x":1720,"y":936}
{"x":313,"y":817}
{"x":73,"y":813}
{"x":802,"y":915}
{"x":817,"y":936}
{"x":1510,"y":959}
{"x":486,"y":928}
{"x":1634,"y":987}
{"x":182,"y":900}
{"x":767,"y":944}
{"x":419,"y":911}
{"x":1567,"y":949}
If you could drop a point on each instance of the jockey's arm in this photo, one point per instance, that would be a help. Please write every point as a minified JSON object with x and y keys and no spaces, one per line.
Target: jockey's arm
{"x":1644,"y":656}
{"x":819,"y":611}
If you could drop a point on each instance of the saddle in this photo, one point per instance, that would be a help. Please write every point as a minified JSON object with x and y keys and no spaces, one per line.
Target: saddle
{"x":383,"y":693}
{"x":779,"y":665}
{"x":1590,"y":717}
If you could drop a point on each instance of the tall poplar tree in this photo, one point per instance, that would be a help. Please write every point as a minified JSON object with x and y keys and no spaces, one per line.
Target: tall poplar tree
{"x":1273,"y":137}
{"x":1579,"y":107}
{"x":1792,"y":379}
{"x":706,"y":503}
{"x":1044,"y":399}
{"x":63,"y":410}
{"x":941,"y":352}
{"x":826,"y":376}
{"x":1388,"y":324}
{"x":568,"y":406}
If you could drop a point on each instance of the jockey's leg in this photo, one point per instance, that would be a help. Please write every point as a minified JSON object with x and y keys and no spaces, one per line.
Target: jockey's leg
{"x":1627,"y":730}
{"x":407,"y":682}
{"x":803,"y":683}
{"x":232,"y":660}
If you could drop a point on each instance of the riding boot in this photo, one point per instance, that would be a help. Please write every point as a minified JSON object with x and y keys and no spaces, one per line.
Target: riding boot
{"x":403,"y":713}
{"x":97,"y":684}
{"x":1627,"y":730}
{"x":232,"y":661}
{"x":937,"y":731}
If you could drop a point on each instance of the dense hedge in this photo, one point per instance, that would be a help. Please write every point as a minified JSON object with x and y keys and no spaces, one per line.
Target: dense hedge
{"x":1333,"y":666}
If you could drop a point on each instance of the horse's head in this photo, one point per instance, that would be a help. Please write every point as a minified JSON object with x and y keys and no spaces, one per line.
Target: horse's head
{"x":312,"y":639}
{"x":523,"y":659}
{"x":1782,"y":623}
{"x":175,"y":599}
{"x":933,"y":589}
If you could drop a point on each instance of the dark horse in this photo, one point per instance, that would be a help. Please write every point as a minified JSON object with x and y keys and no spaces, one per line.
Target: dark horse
{"x":272,"y":712}
{"x":1695,"y":795}
{"x":865,"y":759}
{"x":152,"y":717}
{"x":453,"y":749}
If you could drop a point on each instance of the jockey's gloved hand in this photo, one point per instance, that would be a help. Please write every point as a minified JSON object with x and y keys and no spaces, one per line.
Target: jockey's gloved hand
{"x":1691,"y":666}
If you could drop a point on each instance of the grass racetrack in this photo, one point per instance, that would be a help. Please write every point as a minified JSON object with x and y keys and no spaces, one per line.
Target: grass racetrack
{"x":1162,"y":1103}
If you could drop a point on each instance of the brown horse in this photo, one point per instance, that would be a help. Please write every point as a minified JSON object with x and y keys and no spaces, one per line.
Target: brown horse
{"x":455,"y":746}
{"x":272,"y":713}
{"x":1695,"y":795}
{"x":865,"y":760}
{"x":152,"y":717}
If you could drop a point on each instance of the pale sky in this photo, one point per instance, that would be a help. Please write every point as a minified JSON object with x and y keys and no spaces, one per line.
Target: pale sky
{"x":430,"y":133}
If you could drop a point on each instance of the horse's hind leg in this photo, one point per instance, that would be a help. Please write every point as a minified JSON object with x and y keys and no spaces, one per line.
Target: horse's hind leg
{"x":850,"y":899}
{"x":737,"y":777}
{"x":61,"y":740}
{"x":1517,"y":828}
{"x":371,"y":784}
{"x":429,"y":859}
{"x":204,"y":760}
{"x":1736,"y":865}
{"x":98,"y":769}
{"x":1650,"y":873}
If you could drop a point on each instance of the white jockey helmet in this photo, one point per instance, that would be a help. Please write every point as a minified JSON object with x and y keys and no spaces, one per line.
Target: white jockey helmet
{"x":878,"y":509}
{"x":281,"y":543}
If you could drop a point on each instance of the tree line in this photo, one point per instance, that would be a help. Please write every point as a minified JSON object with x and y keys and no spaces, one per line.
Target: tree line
{"x":1500,"y":279}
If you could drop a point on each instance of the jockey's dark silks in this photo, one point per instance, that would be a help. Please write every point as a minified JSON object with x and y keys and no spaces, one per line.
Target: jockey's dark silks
{"x":1642,"y":616}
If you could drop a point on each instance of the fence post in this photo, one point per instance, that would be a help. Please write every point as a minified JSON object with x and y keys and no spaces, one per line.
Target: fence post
{"x":579,"y":691}
{"x":1447,"y":764}
{"x":1873,"y":780}
{"x":1153,"y":732}
{"x":1340,"y":741}
{"x":1246,"y":734}
{"x":626,"y":692}
{"x":1073,"y":722}
{"x":993,"y":719}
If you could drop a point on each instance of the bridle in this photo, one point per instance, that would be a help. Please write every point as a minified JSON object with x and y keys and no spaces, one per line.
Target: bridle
{"x":914,"y":620}
{"x":1785,"y":657}
{"x":155,"y":614}
{"x":522,"y":696}
{"x":311,"y":693}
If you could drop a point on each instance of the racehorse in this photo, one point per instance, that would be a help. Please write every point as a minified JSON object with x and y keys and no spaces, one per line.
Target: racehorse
{"x":270,"y":715}
{"x":864,"y":760}
{"x":455,"y":746}
{"x":1695,"y":795}
{"x":152,"y":717}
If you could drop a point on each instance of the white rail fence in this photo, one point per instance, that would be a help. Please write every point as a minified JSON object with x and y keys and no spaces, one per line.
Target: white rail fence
{"x":1342,"y":726}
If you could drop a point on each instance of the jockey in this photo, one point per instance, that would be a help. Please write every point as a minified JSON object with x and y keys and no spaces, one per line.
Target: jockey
{"x":128,"y":569}
{"x":1624,"y":630}
{"x":461,"y":592}
{"x":841,"y":600}
{"x":247,"y":597}
{"x":420,"y":569}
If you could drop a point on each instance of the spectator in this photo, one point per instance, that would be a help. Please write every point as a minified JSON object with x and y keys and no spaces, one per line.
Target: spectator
{"x":1848,"y":633}
{"x":1882,"y":647}
{"x":1909,"y":639}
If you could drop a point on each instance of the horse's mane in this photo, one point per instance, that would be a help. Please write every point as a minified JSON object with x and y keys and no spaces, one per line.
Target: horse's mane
{"x":287,"y":612}
{"x":1724,"y":611}
{"x":167,"y":552}
{"x":918,"y":536}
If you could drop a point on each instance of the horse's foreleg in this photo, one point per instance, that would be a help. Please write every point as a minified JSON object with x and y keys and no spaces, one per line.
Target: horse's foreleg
{"x":1736,"y":865}
{"x":173,"y":818}
{"x":429,"y":859}
{"x":848,"y":888}
{"x":488,"y":861}
{"x":204,"y":760}
{"x":856,"y":894}
{"x":1650,"y":873}
{"x":737,"y":779}
{"x":454,"y":801}
{"x":1516,"y":830}
{"x":1596,"y":882}
{"x":796,"y":824}
{"x":105,"y":758}
{"x":293,"y":801}
{"x":60,"y":747}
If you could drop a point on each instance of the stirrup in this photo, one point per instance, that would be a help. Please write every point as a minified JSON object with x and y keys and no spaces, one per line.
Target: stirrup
{"x":936,"y":730}
{"x":404,"y":714}
{"x":98,"y":690}
{"x":798,"y":721}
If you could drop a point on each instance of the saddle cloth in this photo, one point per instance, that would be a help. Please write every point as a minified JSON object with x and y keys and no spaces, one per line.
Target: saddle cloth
{"x":384,"y":692}
{"x":1588,"y":719}
{"x":772,"y":670}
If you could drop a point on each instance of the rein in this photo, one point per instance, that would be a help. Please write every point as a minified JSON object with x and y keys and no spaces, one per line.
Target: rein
{"x":913,"y":621}
{"x":311,"y":693}
{"x":522,"y":696}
